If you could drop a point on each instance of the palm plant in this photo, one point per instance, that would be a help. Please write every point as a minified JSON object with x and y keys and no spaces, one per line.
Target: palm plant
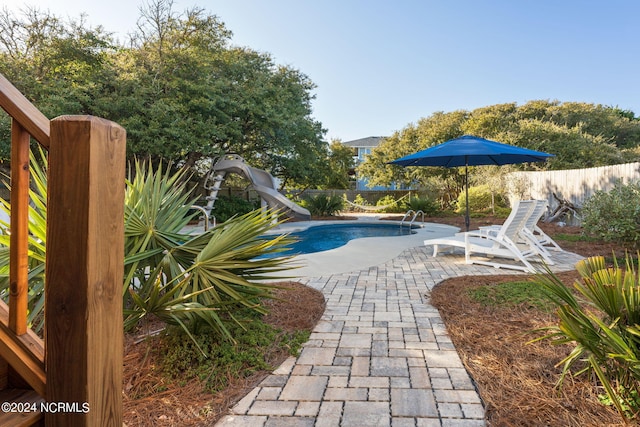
{"x":179,"y":278}
{"x":323,"y":205}
{"x":190,"y":279}
{"x":605,"y":328}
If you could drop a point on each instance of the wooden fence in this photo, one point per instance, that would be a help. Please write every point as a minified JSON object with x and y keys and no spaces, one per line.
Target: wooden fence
{"x":574,"y":185}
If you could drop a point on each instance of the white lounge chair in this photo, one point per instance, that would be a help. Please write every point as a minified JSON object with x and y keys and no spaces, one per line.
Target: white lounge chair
{"x":536,"y":233}
{"x":531,"y":231}
{"x":506,"y":243}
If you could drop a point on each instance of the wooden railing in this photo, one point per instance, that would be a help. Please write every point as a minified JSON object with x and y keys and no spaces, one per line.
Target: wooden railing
{"x":79,"y":365}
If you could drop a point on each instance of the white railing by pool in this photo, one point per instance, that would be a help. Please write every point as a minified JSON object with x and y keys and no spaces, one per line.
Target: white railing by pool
{"x":415,"y":215}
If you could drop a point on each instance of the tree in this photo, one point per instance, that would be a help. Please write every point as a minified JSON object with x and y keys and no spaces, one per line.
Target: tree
{"x":170,"y":99}
{"x":339,"y":166}
{"x":579,"y":134}
{"x":596,"y":119}
{"x":429,"y":131}
{"x":573,"y":147}
{"x":62,"y":67}
{"x":490,"y":121}
{"x":178,"y":88}
{"x":197,"y":97}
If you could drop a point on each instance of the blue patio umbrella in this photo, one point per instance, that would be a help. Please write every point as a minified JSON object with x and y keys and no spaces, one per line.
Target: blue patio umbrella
{"x":469,"y":150}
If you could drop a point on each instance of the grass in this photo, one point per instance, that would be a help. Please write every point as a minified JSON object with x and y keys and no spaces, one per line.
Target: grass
{"x":512,"y":294}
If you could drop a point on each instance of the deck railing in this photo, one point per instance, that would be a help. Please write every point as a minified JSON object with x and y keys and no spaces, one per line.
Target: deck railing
{"x":79,"y":364}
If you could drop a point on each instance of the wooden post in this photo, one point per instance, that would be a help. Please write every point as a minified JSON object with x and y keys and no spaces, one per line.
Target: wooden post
{"x":84,"y":272}
{"x":18,"y":264}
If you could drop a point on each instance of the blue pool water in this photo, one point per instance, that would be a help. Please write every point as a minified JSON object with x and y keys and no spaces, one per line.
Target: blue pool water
{"x":325,"y":237}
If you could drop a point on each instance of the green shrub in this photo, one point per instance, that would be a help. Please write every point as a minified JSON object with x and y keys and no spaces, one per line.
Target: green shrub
{"x":388,"y":204}
{"x":323,"y":205}
{"x":429,"y":206}
{"x":605,"y":331}
{"x":214,"y":361}
{"x":614,"y":216}
{"x":359,"y":200}
{"x":225,"y":207}
{"x":502,"y":211}
{"x":480,"y":200}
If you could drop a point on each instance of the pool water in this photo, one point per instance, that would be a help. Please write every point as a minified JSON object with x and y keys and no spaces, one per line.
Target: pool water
{"x":325,"y":237}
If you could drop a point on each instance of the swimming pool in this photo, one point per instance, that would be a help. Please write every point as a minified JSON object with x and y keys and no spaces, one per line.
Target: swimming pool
{"x":321,"y":238}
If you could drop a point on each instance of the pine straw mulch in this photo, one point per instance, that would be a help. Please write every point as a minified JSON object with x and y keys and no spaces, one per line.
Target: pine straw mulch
{"x":296,"y":307}
{"x":516,"y":380}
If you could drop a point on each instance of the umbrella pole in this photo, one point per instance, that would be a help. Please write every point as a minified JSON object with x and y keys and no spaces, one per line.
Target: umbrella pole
{"x":466,"y":194}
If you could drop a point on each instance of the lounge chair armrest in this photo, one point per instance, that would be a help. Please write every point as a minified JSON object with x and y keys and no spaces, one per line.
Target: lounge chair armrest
{"x":489,"y":229}
{"x":477,"y":233}
{"x":503,"y":241}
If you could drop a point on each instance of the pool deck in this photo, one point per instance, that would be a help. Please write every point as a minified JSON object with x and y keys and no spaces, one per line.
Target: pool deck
{"x":361,"y":253}
{"x":380,"y":355}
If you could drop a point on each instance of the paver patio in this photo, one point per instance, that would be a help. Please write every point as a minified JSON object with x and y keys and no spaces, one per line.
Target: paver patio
{"x":380,"y":356}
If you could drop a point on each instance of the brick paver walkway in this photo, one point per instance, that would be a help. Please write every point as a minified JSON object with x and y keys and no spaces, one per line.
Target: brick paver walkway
{"x":380,"y":356}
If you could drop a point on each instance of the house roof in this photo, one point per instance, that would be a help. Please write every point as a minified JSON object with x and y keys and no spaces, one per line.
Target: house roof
{"x":370,"y":141}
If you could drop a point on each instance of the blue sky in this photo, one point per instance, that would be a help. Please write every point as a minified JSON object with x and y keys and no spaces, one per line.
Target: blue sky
{"x":381,"y":65}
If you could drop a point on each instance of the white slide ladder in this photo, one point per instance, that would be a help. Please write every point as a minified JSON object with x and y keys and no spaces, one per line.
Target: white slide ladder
{"x":261,"y":181}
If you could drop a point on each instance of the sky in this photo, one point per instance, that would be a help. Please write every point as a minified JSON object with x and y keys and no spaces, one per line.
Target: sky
{"x":380,"y":66}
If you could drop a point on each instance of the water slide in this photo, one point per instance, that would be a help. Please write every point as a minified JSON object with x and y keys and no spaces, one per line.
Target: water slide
{"x":261,"y":181}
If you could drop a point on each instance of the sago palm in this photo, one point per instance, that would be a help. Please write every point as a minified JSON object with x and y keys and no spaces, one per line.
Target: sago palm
{"x":604,"y":326}
{"x":185,"y":279}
